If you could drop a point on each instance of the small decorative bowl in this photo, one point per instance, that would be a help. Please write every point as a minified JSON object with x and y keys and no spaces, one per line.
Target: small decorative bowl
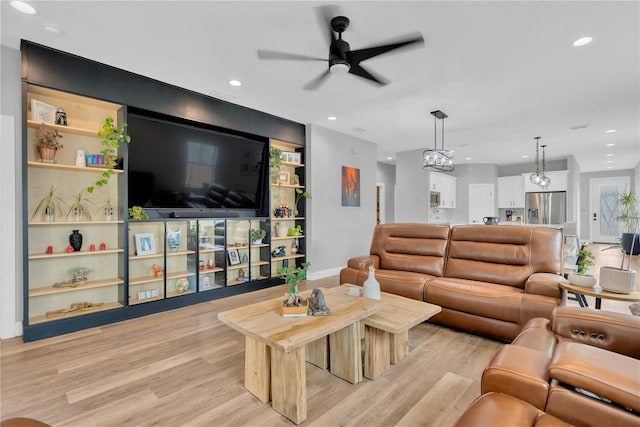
{"x":182,"y":285}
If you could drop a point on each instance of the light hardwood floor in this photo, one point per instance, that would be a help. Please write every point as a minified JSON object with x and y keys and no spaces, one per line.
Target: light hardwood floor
{"x":185,"y":368}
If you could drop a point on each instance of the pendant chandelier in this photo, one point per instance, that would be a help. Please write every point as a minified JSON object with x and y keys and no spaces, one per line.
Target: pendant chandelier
{"x":539,"y":178}
{"x":438,"y":159}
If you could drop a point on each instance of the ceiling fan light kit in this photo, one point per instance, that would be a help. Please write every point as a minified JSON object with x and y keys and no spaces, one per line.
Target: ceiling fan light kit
{"x":539,"y":177}
{"x":438,"y":159}
{"x":341,"y":58}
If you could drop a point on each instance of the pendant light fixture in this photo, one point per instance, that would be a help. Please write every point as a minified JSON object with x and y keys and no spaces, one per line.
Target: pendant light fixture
{"x":545,"y":179}
{"x":438,"y":159}
{"x":536,"y":178}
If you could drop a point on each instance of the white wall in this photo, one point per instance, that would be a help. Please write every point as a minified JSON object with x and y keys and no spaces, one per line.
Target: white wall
{"x":387,"y":176}
{"x":336,"y":233}
{"x":412,"y":188}
{"x":10,"y":195}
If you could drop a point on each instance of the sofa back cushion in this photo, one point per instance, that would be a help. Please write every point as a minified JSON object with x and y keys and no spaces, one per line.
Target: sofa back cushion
{"x":411,"y":247}
{"x":503,"y":254}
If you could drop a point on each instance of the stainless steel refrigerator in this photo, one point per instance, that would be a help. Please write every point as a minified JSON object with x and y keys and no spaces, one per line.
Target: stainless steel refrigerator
{"x":546,"y":207}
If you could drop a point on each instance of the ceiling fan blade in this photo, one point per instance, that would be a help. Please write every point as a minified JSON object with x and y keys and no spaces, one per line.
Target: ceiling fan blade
{"x":356,"y":56}
{"x":325,"y":14}
{"x":359,"y":71}
{"x":315,"y":83}
{"x":270,"y":54}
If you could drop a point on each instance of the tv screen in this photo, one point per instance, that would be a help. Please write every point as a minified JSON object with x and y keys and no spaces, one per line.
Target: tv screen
{"x":174,"y":165}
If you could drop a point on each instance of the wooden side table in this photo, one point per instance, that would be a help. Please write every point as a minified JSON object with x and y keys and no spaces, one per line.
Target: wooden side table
{"x":599,"y":293}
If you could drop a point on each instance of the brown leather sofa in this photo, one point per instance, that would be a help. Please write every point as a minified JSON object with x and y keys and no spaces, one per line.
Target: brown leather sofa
{"x":488,"y":279}
{"x":582,"y":366}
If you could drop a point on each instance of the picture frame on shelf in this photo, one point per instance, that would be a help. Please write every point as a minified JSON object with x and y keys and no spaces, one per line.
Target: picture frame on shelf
{"x":284,"y":177}
{"x":292,"y":157}
{"x":42,"y":112}
{"x":234,"y":257}
{"x":145,"y":244}
{"x":205,"y":282}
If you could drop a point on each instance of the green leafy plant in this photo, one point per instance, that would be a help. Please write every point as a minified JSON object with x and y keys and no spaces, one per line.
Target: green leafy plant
{"x":137,"y":212}
{"x":50,"y":204}
{"x":296,"y":231}
{"x":275,"y":161}
{"x":112,"y":136}
{"x":585,"y":260}
{"x":293,"y":274}
{"x":300,"y":193}
{"x":80,"y":205}
{"x":48,"y":137}
{"x":257,"y":234}
{"x":628,"y":206}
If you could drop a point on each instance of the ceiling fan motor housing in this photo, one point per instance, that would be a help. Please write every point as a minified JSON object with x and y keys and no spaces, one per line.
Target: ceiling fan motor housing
{"x":338,"y":56}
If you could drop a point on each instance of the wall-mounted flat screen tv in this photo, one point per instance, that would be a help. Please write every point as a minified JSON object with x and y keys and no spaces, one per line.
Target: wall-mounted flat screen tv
{"x":184,"y":166}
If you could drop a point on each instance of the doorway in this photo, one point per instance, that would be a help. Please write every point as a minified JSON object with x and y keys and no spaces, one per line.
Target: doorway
{"x":603,"y":208}
{"x":481,"y":202}
{"x":380,"y":211}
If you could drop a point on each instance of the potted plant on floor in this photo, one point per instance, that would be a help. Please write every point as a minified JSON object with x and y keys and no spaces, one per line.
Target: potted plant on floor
{"x":629,"y":211}
{"x":47,"y":143}
{"x":620,"y":280}
{"x":582,"y":277}
{"x":294,"y":304}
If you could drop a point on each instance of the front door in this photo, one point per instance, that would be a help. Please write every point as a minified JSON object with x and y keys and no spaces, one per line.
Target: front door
{"x":603,"y":207}
{"x":481,"y":202}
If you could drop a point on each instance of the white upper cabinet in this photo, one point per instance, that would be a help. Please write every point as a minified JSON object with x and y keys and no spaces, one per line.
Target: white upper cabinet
{"x":511,"y":192}
{"x":446,"y":186}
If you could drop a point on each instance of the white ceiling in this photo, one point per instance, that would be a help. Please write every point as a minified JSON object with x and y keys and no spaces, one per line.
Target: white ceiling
{"x":504,"y":72}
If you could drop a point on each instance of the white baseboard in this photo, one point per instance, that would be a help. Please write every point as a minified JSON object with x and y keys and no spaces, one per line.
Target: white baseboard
{"x":316,"y":275}
{"x":16,"y":331}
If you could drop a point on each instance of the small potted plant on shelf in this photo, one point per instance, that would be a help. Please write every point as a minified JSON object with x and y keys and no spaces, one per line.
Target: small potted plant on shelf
{"x":294,"y":304}
{"x":582,"y":277}
{"x":112,"y":136}
{"x":257,"y":235}
{"x":79,"y":206}
{"x":295,"y":231}
{"x":49,"y":206}
{"x":137,"y":212}
{"x":47,"y":143}
{"x":275,"y":163}
{"x":300,"y":193}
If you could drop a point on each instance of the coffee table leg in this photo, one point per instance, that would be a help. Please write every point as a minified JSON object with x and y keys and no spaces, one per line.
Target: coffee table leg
{"x":345,"y":357}
{"x":399,"y":346}
{"x":289,"y":384}
{"x":376,"y":352}
{"x":257,"y":369}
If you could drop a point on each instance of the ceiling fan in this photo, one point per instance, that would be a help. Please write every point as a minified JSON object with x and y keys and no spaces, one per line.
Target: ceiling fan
{"x":341,"y":58}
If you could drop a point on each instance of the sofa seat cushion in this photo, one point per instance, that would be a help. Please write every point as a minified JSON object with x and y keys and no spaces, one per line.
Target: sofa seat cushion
{"x":480,"y":298}
{"x":404,"y":283}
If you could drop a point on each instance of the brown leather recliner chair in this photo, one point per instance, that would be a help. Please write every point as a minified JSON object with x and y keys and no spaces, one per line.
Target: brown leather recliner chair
{"x":582,"y":366}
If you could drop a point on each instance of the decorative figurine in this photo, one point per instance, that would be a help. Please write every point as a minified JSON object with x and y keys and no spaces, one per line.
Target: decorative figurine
{"x":61,"y":117}
{"x":49,"y":250}
{"x":92,"y":247}
{"x":103,"y":247}
{"x":278,"y":252}
{"x":156,"y":270}
{"x":317,"y":304}
{"x":210,"y":264}
{"x":201,"y":265}
{"x":70,"y":249}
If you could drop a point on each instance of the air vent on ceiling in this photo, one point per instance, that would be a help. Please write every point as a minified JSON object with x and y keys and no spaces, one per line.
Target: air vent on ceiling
{"x":579,"y":127}
{"x":359,"y":130}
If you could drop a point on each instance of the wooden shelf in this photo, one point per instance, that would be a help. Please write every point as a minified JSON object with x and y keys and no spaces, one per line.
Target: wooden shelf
{"x":282,"y":184}
{"x":75,"y":254}
{"x":65,"y":129}
{"x":215,"y":270}
{"x":278,"y":258}
{"x":293,"y":165}
{"x":156,"y":255}
{"x":85,"y":285}
{"x":184,"y":252}
{"x":208,"y":251}
{"x":287,"y":238}
{"x":240,"y":282}
{"x":237,"y":266}
{"x":173,"y":294}
{"x":150,"y":279}
{"x":136,"y":301}
{"x":292,"y":218}
{"x":104,"y":307}
{"x":74,"y":168}
{"x":41,"y":223}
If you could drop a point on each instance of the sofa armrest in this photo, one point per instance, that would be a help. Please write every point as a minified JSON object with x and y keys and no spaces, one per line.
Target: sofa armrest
{"x":546,"y":284}
{"x":616,"y":332}
{"x":363,"y":262}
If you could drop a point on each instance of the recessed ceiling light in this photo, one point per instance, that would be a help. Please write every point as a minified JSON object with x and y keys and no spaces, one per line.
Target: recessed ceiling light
{"x":525,"y":156}
{"x":609,"y":167}
{"x":468,"y":158}
{"x":610,"y":131}
{"x":52,"y":29}
{"x":23,"y":7}
{"x":609,"y":161}
{"x":235,"y":83}
{"x":611,"y":144}
{"x":583,"y":41}
{"x":389,"y":158}
{"x":331,"y":118}
{"x":610,"y":155}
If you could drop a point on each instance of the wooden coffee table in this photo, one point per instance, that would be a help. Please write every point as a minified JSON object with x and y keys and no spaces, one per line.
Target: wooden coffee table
{"x":386,"y":332}
{"x":275,"y":347}
{"x":599,"y":293}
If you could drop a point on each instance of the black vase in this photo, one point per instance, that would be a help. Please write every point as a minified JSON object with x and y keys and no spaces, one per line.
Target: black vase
{"x":75,"y":240}
{"x":627,"y":240}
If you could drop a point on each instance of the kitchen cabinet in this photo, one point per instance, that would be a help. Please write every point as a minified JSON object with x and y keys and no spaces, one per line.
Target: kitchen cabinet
{"x":511,"y":192}
{"x":559,"y":182}
{"x":446,"y":186}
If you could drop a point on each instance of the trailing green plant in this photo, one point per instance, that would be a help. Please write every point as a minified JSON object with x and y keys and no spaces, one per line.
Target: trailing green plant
{"x":80,"y":205}
{"x":585,"y":260}
{"x":293,"y":274}
{"x":275,"y":161}
{"x":137,"y":212}
{"x":112,"y":136}
{"x":300,"y":193}
{"x":296,"y":231}
{"x":48,"y":137}
{"x":257,"y":234}
{"x":50,"y":203}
